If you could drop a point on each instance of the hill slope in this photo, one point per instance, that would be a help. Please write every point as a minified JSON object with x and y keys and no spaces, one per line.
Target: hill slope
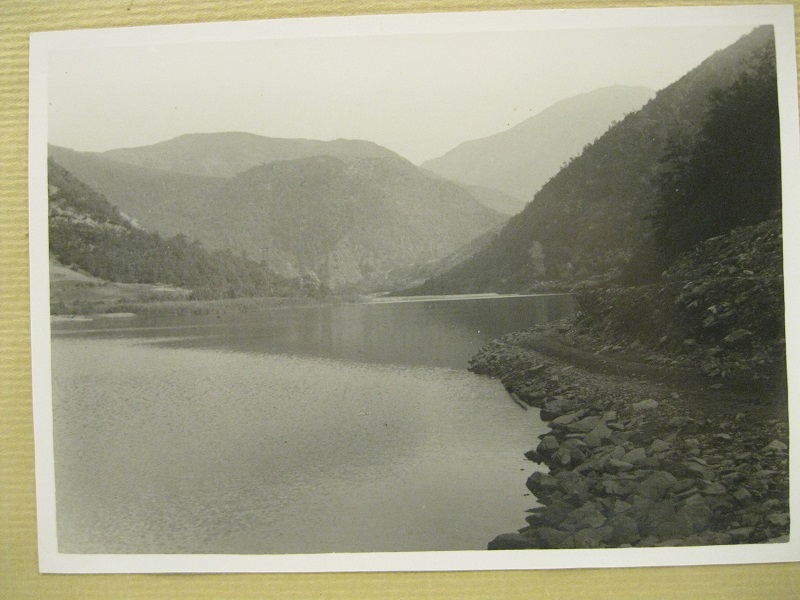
{"x":99,"y":244}
{"x":519,"y":160}
{"x":592,"y":218}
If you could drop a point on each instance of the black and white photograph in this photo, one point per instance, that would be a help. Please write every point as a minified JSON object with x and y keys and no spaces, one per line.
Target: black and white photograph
{"x":499,"y":290}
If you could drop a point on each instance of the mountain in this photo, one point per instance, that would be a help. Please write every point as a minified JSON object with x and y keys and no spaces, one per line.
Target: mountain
{"x":596,"y":215}
{"x":520,"y":160}
{"x":230,"y":153}
{"x":347,"y":221}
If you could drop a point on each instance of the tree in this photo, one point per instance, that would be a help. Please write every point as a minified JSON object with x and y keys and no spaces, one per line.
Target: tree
{"x":730,"y":175}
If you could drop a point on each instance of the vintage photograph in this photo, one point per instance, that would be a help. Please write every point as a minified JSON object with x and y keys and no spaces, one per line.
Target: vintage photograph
{"x":451,"y":291}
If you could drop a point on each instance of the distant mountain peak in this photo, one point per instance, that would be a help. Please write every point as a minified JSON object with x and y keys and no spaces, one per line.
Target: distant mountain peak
{"x":520,"y":159}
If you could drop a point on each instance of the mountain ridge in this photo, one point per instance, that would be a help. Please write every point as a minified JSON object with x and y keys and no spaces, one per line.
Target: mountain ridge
{"x":348,"y":221}
{"x":225,"y":154}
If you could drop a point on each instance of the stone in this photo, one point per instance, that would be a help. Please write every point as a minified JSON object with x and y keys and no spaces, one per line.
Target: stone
{"x":692,"y":444}
{"x":659,"y":519}
{"x":574,"y":443}
{"x":620,"y":506}
{"x":635,"y":456}
{"x":673,"y":529}
{"x":557,"y":405}
{"x":553,"y":538}
{"x":595,"y":437}
{"x":562,"y":456}
{"x":534,"y":520}
{"x":511,"y":541}
{"x":536,"y":369}
{"x":684,"y":485}
{"x":658,"y":485}
{"x":775,"y":446}
{"x":624,"y":530}
{"x":568,"y":418}
{"x":610,"y":487}
{"x":750,"y":519}
{"x":705,"y":473}
{"x":722,"y":504}
{"x":640,"y":504}
{"x":715,"y":488}
{"x":534,"y":456}
{"x":594,"y":463}
{"x":740,"y":534}
{"x":591,"y":537}
{"x":585,"y":516}
{"x":671,"y":543}
{"x":548,"y":445}
{"x":585,"y":425}
{"x":764,"y":474}
{"x":658,"y":446}
{"x":541,"y":484}
{"x":738,"y":338}
{"x":742,"y":495}
{"x":620,"y":437}
{"x":648,"y":404}
{"x":781,"y":519}
{"x":614,"y":465}
{"x":555,"y":513}
{"x":652,"y":462}
{"x":618,"y":452}
{"x":713,"y":538}
{"x":574,"y":486}
{"x":696,"y":512}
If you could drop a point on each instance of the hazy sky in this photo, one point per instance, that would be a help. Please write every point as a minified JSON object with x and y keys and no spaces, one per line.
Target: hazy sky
{"x":417,"y":94}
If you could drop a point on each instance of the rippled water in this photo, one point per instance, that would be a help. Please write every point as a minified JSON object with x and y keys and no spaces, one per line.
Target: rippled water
{"x":326,"y":429}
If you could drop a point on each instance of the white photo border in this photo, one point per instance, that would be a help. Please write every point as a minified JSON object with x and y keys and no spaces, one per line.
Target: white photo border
{"x":41,"y":47}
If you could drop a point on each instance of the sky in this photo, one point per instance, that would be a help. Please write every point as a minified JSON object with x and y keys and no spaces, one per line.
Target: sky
{"x":418,"y":94}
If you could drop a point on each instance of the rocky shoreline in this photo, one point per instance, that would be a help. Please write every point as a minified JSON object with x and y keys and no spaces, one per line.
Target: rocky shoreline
{"x":641,"y":456}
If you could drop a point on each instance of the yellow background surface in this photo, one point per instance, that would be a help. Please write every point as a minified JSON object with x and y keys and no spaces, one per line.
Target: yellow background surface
{"x":19,"y":576}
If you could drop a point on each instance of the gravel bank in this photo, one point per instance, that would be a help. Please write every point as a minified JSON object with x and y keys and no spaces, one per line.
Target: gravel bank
{"x":640,"y":455}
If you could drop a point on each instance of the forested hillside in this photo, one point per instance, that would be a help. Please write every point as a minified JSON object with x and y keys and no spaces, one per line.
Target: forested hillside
{"x":700,"y":158}
{"x":87,"y":233}
{"x":729,"y":175}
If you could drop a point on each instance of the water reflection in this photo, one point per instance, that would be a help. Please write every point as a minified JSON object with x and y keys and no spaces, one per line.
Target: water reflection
{"x":432,"y":333}
{"x":312,"y":429}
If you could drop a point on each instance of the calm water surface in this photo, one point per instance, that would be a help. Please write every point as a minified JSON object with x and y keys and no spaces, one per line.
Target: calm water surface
{"x":351,"y":428}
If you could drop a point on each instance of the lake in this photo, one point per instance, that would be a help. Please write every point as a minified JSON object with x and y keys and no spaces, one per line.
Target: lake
{"x":305,"y":429}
